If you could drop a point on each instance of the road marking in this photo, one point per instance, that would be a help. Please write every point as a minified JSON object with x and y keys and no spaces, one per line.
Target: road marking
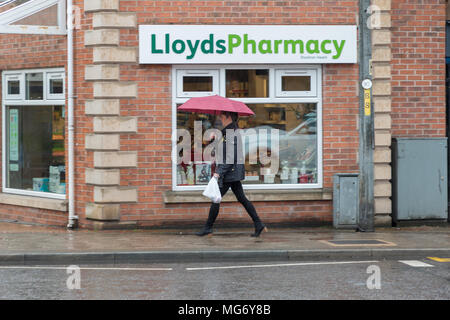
{"x":415,"y":263}
{"x":280,"y":265}
{"x":87,"y":268}
{"x":439,"y":259}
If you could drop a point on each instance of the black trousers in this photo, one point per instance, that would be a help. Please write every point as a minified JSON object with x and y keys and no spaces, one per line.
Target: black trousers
{"x":236,"y":187}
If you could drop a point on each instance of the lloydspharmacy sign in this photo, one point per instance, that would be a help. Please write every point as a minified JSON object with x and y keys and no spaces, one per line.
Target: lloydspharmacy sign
{"x":186,"y":44}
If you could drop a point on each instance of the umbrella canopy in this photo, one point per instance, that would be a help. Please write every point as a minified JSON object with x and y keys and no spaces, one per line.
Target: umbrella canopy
{"x":214,"y":105}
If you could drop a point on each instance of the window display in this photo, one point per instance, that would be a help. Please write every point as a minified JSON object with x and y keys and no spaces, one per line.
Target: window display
{"x":36,"y":154}
{"x":294,"y":125}
{"x":35,"y":132}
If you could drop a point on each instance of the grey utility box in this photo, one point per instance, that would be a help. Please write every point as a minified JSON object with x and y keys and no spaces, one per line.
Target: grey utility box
{"x":419,"y":179}
{"x":346,"y":200}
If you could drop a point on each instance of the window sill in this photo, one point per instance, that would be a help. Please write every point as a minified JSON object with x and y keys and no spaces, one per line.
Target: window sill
{"x":252,"y":195}
{"x":33,"y":202}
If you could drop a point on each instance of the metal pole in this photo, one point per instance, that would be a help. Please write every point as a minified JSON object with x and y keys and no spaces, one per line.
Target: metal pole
{"x":366,"y":137}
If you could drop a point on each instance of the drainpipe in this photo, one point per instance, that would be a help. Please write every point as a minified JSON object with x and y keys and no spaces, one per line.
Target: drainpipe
{"x":73,"y":219}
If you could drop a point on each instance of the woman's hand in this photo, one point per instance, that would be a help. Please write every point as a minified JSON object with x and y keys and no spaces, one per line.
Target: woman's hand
{"x":216,"y":176}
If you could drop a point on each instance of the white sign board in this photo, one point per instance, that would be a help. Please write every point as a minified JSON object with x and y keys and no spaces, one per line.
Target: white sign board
{"x":249,"y":44}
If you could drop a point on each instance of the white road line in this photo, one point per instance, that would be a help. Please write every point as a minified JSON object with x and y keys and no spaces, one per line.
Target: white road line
{"x":280,"y":265}
{"x":415,"y":263}
{"x":86,"y":268}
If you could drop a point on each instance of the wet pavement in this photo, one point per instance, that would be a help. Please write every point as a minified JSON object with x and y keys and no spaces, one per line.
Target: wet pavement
{"x":18,"y":238}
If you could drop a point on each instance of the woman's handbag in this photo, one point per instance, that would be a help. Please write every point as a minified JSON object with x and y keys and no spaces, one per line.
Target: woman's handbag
{"x":212,"y":191}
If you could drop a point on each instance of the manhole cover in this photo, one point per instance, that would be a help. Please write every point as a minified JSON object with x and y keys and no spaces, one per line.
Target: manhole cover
{"x":359,"y":242}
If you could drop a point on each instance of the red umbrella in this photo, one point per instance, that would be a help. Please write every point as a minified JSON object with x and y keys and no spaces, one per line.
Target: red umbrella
{"x":215,"y":104}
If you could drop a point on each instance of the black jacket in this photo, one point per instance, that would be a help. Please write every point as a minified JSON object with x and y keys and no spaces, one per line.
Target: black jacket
{"x":232,"y":168}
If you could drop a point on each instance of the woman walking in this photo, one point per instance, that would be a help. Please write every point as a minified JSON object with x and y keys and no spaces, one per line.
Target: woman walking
{"x":230,"y":175}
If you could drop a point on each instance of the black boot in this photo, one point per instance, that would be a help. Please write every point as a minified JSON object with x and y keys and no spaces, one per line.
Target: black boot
{"x":206,"y":231}
{"x":260,"y":227}
{"x":213,"y":212}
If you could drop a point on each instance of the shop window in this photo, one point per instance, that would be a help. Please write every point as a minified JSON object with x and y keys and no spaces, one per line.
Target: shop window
{"x":34,"y":86}
{"x":247,"y":83}
{"x":14,"y":89}
{"x":55,"y":85}
{"x":34,"y":149}
{"x":296,"y":122}
{"x":195,"y":83}
{"x":296,"y":83}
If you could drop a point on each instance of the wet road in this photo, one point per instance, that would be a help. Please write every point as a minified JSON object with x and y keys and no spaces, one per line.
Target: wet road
{"x":244,"y":280}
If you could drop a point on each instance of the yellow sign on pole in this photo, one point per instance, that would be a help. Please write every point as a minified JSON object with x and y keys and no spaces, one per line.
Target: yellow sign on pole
{"x":367,"y":110}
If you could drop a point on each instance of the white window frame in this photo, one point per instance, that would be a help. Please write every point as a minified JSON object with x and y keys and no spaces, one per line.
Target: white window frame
{"x":14,"y":77}
{"x":29,"y":8}
{"x":271,"y":99}
{"x":54,"y":75}
{"x":22,"y":102}
{"x":280,"y":73}
{"x":197,"y":73}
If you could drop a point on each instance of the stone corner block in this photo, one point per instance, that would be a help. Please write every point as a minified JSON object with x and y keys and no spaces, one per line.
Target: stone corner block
{"x":115,"y":124}
{"x":119,"y":89}
{"x":114,"y":20}
{"x":102,"y":37}
{"x":102,"y":142}
{"x":115,"y":194}
{"x":114,"y":55}
{"x":105,"y":107}
{"x":101,"y":5}
{"x":97,"y":211}
{"x":117,"y":159}
{"x":102,"y":72}
{"x":102,"y":177}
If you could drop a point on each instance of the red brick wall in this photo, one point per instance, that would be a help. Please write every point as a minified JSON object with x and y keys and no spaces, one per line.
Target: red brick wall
{"x":153,"y":109}
{"x":31,"y":52}
{"x":418,"y":68}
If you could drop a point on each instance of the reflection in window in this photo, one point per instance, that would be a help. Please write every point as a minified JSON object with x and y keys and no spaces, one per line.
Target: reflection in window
{"x":247,"y":83}
{"x":35,"y":86}
{"x":297,"y":154}
{"x":35,"y":148}
{"x":14,"y":87}
{"x":56,"y":86}
{"x":296,"y":83}
{"x":197,"y":84}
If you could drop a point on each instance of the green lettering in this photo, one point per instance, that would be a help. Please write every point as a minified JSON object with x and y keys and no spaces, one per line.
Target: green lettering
{"x":182,"y":46}
{"x":221,"y":45}
{"x":154,"y":50}
{"x":315,"y":48}
{"x":210,"y":43}
{"x":268,"y":46}
{"x":338,"y":48}
{"x":323,"y":48}
{"x":247,"y":42}
{"x":293,"y":45}
{"x":234,"y":41}
{"x":167,"y":43}
{"x":193,"y":48}
{"x":277,"y":44}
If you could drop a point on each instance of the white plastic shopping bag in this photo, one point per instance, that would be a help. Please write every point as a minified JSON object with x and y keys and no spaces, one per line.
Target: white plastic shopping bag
{"x":212,"y":191}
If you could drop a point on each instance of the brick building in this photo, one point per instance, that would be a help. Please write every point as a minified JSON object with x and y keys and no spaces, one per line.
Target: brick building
{"x":126,"y":94}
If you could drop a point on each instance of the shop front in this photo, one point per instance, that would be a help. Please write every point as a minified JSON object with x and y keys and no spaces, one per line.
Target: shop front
{"x":296,"y":64}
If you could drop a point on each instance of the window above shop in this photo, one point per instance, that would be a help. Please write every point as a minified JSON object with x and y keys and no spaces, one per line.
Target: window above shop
{"x":33,"y":16}
{"x":286,"y":101}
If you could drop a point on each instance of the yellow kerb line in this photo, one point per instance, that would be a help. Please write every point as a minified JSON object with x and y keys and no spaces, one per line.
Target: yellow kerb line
{"x":439,"y":259}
